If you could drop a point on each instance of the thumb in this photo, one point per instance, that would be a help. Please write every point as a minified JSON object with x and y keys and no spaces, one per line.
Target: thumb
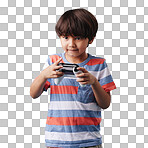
{"x":58,"y":61}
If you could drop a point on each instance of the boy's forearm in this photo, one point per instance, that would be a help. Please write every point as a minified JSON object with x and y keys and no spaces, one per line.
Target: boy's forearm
{"x":102,"y":97}
{"x":37,"y":86}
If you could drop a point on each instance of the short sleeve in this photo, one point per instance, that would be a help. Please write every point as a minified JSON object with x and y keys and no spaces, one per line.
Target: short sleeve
{"x":48,"y":82}
{"x":105,"y":79}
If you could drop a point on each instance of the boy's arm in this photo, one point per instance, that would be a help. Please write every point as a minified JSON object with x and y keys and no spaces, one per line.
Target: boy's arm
{"x":103,"y":98}
{"x":37,"y":86}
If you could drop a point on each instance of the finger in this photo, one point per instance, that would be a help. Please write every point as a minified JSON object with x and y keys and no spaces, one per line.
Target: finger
{"x":82,"y":80}
{"x":82,"y":69}
{"x":57,"y":76}
{"x":57,"y":67}
{"x":82,"y":75}
{"x":83,"y":83}
{"x":58,"y":61}
{"x":57,"y":73}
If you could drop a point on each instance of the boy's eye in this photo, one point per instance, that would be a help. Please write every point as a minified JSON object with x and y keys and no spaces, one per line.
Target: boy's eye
{"x":78,"y":38}
{"x":65,"y":37}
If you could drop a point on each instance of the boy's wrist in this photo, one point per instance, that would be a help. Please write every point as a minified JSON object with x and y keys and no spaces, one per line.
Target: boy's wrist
{"x":43,"y":75}
{"x":95,"y":81}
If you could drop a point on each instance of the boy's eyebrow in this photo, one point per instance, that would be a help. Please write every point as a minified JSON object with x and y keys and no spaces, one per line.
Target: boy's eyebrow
{"x":74,"y":36}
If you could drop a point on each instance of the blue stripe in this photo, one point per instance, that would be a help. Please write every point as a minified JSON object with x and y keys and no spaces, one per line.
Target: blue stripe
{"x":63,"y":97}
{"x":106,"y":80}
{"x":74,"y":113}
{"x":72,"y":129}
{"x":49,"y":61}
{"x":74,"y":144}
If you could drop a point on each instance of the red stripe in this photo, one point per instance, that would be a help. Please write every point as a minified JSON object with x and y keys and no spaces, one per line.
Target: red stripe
{"x":47,"y":85}
{"x":110,"y":86}
{"x":95,"y":62}
{"x":63,"y":89}
{"x":73,"y":121}
{"x":54,"y":58}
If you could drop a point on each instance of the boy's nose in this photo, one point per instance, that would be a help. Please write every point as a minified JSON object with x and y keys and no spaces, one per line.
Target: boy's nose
{"x":72,"y":43}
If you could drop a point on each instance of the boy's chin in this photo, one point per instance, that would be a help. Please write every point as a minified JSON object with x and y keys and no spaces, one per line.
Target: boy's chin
{"x":72,"y":55}
{"x":76,"y":51}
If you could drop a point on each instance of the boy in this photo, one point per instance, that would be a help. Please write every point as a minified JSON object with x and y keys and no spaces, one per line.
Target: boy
{"x":74,"y":113}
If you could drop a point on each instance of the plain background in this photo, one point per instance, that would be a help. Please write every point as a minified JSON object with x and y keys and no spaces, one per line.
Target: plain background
{"x":27,"y":36}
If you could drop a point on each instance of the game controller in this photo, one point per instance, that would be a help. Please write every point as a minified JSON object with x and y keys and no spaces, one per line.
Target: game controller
{"x":69,"y":70}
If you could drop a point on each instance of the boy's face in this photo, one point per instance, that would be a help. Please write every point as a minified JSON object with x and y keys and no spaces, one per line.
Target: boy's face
{"x":74,"y":46}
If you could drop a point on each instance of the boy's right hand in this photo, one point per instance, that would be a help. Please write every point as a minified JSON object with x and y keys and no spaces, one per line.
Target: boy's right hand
{"x":50,"y":71}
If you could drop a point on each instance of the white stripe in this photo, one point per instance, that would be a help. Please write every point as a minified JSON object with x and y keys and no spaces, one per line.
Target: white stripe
{"x":70,"y":77}
{"x":101,"y":74}
{"x":104,"y":73}
{"x":73,"y":105}
{"x":95,"y":73}
{"x":71,"y":136}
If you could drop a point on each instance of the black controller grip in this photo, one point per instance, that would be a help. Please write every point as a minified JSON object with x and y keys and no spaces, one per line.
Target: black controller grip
{"x":68,"y":68}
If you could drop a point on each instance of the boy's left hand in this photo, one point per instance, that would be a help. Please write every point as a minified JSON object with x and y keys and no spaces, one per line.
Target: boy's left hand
{"x":85,"y":77}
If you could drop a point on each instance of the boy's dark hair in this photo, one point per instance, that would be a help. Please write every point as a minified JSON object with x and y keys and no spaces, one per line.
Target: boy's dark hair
{"x":77,"y":22}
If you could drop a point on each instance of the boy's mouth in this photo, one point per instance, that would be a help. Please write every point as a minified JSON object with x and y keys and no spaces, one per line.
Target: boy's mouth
{"x":72,"y":49}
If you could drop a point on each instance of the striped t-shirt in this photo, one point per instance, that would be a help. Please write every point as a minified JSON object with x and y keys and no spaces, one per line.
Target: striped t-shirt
{"x":74,"y":116}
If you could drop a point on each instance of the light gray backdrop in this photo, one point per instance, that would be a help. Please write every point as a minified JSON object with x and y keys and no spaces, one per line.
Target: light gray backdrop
{"x":27,"y":36}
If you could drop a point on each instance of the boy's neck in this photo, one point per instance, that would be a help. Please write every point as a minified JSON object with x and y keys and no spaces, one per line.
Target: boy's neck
{"x":76,"y":60}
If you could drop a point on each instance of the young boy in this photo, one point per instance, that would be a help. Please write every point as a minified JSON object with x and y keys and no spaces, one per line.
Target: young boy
{"x":74,"y":113}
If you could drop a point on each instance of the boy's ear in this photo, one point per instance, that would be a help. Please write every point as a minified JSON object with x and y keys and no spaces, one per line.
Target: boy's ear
{"x":91,"y":41}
